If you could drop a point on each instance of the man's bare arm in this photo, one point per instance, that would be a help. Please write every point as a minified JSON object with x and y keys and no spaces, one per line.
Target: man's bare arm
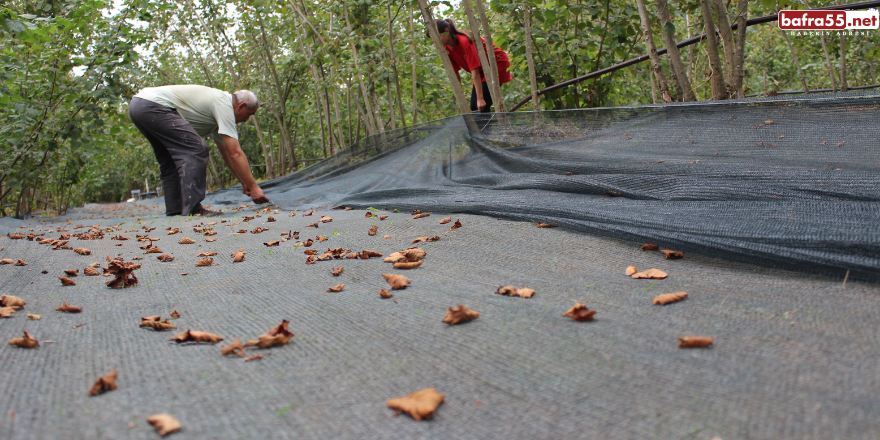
{"x":238,"y":164}
{"x":225,"y":154}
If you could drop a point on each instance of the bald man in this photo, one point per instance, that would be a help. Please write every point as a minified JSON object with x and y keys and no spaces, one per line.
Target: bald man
{"x":175,"y":119}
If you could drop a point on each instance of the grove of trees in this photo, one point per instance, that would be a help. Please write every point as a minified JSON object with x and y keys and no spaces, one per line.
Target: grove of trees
{"x":331,"y":72}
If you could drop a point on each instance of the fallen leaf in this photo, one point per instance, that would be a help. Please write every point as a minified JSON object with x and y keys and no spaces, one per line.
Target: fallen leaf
{"x":840,"y":144}
{"x":24,"y":342}
{"x":408,"y":264}
{"x":672,"y":255}
{"x":545,"y":225}
{"x":384,"y":293}
{"x":460,"y":314}
{"x":666,"y":298}
{"x":104,"y":384}
{"x":650,"y":247}
{"x":195,"y":336}
{"x":310,"y":212}
{"x":312,"y":225}
{"x":383,"y":217}
{"x":427,"y":214}
{"x":368,"y":214}
{"x":445,"y":220}
{"x":7,"y":261}
{"x":238,"y":256}
{"x":164,"y":424}
{"x":186,"y":240}
{"x":336,"y":288}
{"x":270,"y":219}
{"x":272,"y":243}
{"x":694,"y":341}
{"x":655,"y":274}
{"x":34,"y":317}
{"x":165,"y":257}
{"x":386,"y":236}
{"x":71,"y":272}
{"x":173,"y":231}
{"x":631,"y":270}
{"x":67,"y":281}
{"x":258,"y":230}
{"x":373,"y":230}
{"x":12,"y":301}
{"x":416,"y":212}
{"x":311,"y":252}
{"x":155,"y":323}
{"x":6,"y":312}
{"x":308,"y":243}
{"x":396,"y":281}
{"x":455,"y":225}
{"x":210,"y":240}
{"x":154,"y":250}
{"x":207,"y":254}
{"x":580,"y":312}
{"x":278,"y":335}
{"x":20,"y":262}
{"x":325,"y":219}
{"x":83,"y":251}
{"x":68,"y":308}
{"x":366,"y":254}
{"x":426,"y":239}
{"x":321,"y":238}
{"x":337,"y":271}
{"x":523,"y":292}
{"x":253,"y":358}
{"x":628,"y":136}
{"x":205,"y":262}
{"x":175,"y":314}
{"x":234,"y":348}
{"x":420,"y":405}
{"x":124,"y":273}
{"x":768,"y":122}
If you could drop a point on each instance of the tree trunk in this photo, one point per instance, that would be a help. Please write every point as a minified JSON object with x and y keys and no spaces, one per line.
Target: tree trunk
{"x":843,"y":83}
{"x":828,"y":64}
{"x":281,"y":96}
{"x":415,"y":77}
{"x":692,"y":49}
{"x":672,"y":50}
{"x":490,"y":74}
{"x":794,"y":59}
{"x":656,"y":67}
{"x":373,"y":126}
{"x":463,"y":106}
{"x":394,"y":69}
{"x":716,"y":77}
{"x":727,"y":43}
{"x":739,"y":60}
{"x":533,"y":80}
{"x":493,"y":63}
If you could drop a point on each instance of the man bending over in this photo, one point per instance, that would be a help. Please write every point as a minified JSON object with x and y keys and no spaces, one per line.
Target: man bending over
{"x":174,"y":119}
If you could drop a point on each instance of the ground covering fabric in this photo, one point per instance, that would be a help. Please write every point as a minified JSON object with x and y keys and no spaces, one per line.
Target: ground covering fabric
{"x":788,"y":183}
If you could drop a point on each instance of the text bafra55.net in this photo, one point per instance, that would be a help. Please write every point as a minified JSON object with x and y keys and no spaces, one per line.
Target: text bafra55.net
{"x":828,"y":20}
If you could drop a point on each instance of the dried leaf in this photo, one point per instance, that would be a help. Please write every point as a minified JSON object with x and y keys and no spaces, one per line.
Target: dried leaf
{"x":104,"y":384}
{"x":258,"y":230}
{"x":337,"y":271}
{"x":397,"y":282}
{"x":672,"y":255}
{"x":312,"y":225}
{"x":205,"y":262}
{"x":366,"y":255}
{"x":71,"y":272}
{"x":27,"y":341}
{"x":420,"y":405}
{"x":427,"y":214}
{"x":186,"y":240}
{"x":272,"y":243}
{"x":694,"y":341}
{"x":195,"y":336}
{"x":545,"y":225}
{"x":384,"y":293}
{"x":445,"y":220}
{"x":173,"y":231}
{"x":175,"y":314}
{"x":325,"y":219}
{"x":386,"y":236}
{"x":515,"y":291}
{"x":393,"y":258}
{"x":368,"y":214}
{"x":416,"y":211}
{"x":321,"y":238}
{"x":154,"y":250}
{"x":460,"y":314}
{"x":124,"y":273}
{"x":165,"y":257}
{"x":383,"y":217}
{"x":310,"y":212}
{"x":164,"y":424}
{"x":68,"y":308}
{"x":408,"y":264}
{"x":308,"y":243}
{"x":83,"y":251}
{"x":631,"y":270}
{"x":234,"y":348}
{"x":12,"y":301}
{"x":154,"y":323}
{"x":654,"y":274}
{"x":207,"y":254}
{"x":7,"y":261}
{"x":667,"y":298}
{"x":311,"y":252}
{"x":650,"y":247}
{"x":34,"y":317}
{"x":6,"y":312}
{"x":840,"y":144}
{"x":278,"y":335}
{"x":373,"y":230}
{"x":580,"y":312}
{"x":238,"y":256}
{"x":336,"y":288}
{"x":768,"y":122}
{"x":455,"y":225}
{"x":67,"y":281}
{"x":90,"y":271}
{"x":210,"y":240}
{"x":270,"y":219}
{"x":426,"y":239}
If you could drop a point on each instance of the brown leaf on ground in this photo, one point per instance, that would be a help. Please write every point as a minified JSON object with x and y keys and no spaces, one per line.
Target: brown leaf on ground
{"x":523,"y":292}
{"x":545,"y":225}
{"x":234,"y":348}
{"x":416,"y":212}
{"x":455,"y":225}
{"x":666,"y":298}
{"x":325,"y":219}
{"x":460,"y":314}
{"x":672,"y":255}
{"x":238,"y":256}
{"x":580,"y":312}
{"x":124,"y":273}
{"x":373,"y":230}
{"x":321,"y":238}
{"x":270,"y":219}
{"x":311,"y":259}
{"x":386,"y":236}
{"x":384,"y":293}
{"x":164,"y":424}
{"x":630,"y":270}
{"x":253,"y":358}
{"x":655,"y":274}
{"x":427,"y":214}
{"x":154,"y":323}
{"x":12,"y":301}
{"x":205,"y":262}
{"x":34,"y":317}
{"x":650,"y":247}
{"x":272,"y":243}
{"x":308,"y":243}
{"x":20,"y":262}
{"x":83,"y":251}
{"x":175,"y":314}
{"x":768,"y":122}
{"x":336,"y":288}
{"x":337,"y":271}
{"x":72,"y":272}
{"x":408,"y":264}
{"x":694,"y":341}
{"x":420,"y":405}
{"x":104,"y":384}
{"x":154,"y":250}
{"x":241,"y":231}
{"x":6,"y":312}
{"x":90,"y":271}
{"x":394,"y":257}
{"x":278,"y":335}
{"x":195,"y":336}
{"x":258,"y":230}
{"x":173,"y":231}
{"x":7,"y":261}
{"x":383,"y":217}
{"x":186,"y":240}
{"x":165,"y":257}
{"x":207,"y":254}
{"x":68,"y":308}
{"x":15,"y":236}
{"x":27,"y":341}
{"x":426,"y":239}
{"x":366,"y":254}
{"x":310,"y":212}
{"x":119,"y":237}
{"x":210,"y":240}
{"x":312,"y":225}
{"x":368,"y":214}
{"x":397,"y":282}
{"x":311,"y":252}
{"x":445,"y":220}
{"x":67,"y":281}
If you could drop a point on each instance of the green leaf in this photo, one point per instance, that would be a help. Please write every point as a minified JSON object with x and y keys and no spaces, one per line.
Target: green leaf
{"x":15,"y":25}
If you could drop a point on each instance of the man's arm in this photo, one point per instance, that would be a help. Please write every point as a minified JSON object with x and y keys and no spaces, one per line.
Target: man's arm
{"x":238,"y":164}
{"x":477,"y":75}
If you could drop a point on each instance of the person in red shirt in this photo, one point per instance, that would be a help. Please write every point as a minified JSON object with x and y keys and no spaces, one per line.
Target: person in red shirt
{"x":463,"y":54}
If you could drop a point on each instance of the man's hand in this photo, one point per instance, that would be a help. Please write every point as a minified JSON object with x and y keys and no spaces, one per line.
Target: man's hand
{"x":481,"y":104}
{"x":257,"y":195}
{"x":245,"y":190}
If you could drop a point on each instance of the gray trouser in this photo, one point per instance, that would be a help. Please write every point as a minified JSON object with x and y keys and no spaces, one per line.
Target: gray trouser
{"x":181,"y":152}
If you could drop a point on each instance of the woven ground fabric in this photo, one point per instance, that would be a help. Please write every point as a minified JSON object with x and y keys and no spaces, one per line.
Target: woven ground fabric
{"x":794,"y":354}
{"x":790,"y":183}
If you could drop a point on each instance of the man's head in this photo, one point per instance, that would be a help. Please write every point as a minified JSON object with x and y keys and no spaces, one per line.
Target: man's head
{"x":244,"y":104}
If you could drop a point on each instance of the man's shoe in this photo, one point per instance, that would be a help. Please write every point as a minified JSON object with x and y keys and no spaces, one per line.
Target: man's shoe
{"x":209,"y":213}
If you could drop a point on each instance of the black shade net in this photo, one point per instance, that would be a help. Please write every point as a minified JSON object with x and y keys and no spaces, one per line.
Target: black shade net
{"x":785,"y":182}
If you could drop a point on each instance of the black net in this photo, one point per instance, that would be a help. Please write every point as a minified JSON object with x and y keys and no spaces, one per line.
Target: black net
{"x":787,"y":182}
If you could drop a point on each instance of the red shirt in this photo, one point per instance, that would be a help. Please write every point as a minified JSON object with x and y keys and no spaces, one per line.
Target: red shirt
{"x":464,"y":56}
